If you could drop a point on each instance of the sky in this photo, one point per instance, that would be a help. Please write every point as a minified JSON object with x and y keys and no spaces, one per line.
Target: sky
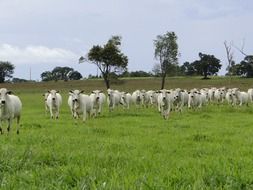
{"x":38,"y":35}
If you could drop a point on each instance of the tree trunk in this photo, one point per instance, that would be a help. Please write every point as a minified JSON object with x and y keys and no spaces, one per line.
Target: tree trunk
{"x":107,"y":83}
{"x":205,"y":75}
{"x":163,"y":80}
{"x":106,"y":80}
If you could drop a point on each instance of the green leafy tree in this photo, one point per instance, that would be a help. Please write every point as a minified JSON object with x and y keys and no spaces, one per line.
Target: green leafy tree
{"x":75,"y":75}
{"x":6,"y":70}
{"x":188,"y":69}
{"x":47,"y":76}
{"x":245,"y":67}
{"x":166,"y":51}
{"x":108,"y":58}
{"x":207,"y":65}
{"x":61,"y":73}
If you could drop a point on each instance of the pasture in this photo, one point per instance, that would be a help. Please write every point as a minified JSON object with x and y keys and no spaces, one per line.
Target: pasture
{"x":210,"y":148}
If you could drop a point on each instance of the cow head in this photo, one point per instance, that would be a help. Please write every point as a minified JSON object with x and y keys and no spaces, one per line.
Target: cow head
{"x":53,"y":94}
{"x":4,"y":95}
{"x":45,"y":95}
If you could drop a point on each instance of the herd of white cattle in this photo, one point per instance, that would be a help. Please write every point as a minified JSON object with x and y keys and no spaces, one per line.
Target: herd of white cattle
{"x":165,"y":101}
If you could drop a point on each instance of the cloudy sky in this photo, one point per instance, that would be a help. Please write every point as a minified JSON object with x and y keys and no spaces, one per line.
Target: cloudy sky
{"x":43,"y":34}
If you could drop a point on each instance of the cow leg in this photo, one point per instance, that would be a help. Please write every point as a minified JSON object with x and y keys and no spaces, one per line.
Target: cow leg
{"x":1,"y":130}
{"x":51,"y":113}
{"x":18,"y":125}
{"x":9,"y":125}
{"x":57,"y":113}
{"x":84,"y":115}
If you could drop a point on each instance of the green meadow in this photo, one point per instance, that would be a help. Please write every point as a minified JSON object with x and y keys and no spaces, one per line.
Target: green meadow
{"x":208,"y":148}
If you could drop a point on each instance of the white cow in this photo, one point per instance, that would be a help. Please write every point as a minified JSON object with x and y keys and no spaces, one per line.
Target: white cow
{"x":45,"y":101}
{"x":149,"y":98}
{"x":126,"y":99}
{"x":211,"y":94}
{"x":181,"y":98}
{"x":54,"y":101}
{"x":195,"y":99}
{"x":137,"y":97}
{"x":81,"y":104}
{"x":10,"y":108}
{"x":113,"y":98}
{"x":229,"y":97}
{"x":164,"y":102}
{"x":242,"y":97}
{"x":98,"y":99}
{"x":250,"y":93}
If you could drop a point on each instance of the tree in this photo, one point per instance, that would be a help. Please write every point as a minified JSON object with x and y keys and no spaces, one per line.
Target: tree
{"x":47,"y":76}
{"x":246,"y":66}
{"x":61,"y":73}
{"x":6,"y":70}
{"x":188,"y":69}
{"x":207,"y":65}
{"x":166,"y":51}
{"x":230,"y":55}
{"x":75,"y":75}
{"x":108,"y":58}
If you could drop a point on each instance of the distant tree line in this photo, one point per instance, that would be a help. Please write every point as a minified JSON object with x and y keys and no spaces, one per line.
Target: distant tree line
{"x":61,"y":73}
{"x":112,"y":63}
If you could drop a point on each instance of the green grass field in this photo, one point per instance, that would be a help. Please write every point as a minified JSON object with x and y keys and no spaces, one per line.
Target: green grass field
{"x":211,"y":148}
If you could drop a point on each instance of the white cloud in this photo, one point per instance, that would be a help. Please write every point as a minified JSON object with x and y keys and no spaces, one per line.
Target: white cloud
{"x":36,"y":54}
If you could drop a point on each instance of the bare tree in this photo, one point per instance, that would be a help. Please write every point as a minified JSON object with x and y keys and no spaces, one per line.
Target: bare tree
{"x":230,"y":57}
{"x":241,"y":50}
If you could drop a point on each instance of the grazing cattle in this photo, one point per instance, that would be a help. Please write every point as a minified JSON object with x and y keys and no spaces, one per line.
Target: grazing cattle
{"x":211,"y":94}
{"x":54,"y":101}
{"x":98,"y":99}
{"x":241,"y":97}
{"x":80,"y":104}
{"x":250,"y":93}
{"x":113,"y":98}
{"x":149,"y":98}
{"x":164,"y":102}
{"x":126,"y":99}
{"x":10,"y":108}
{"x":138,"y":97}
{"x":45,"y":101}
{"x":229,"y":97}
{"x":195,"y":99}
{"x":181,"y":98}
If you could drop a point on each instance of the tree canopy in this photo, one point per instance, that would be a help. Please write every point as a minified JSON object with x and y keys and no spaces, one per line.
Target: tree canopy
{"x":244,"y":68}
{"x":207,"y":65}
{"x":166,"y":51}
{"x":6,"y":70}
{"x":108,"y":58}
{"x":61,"y":73}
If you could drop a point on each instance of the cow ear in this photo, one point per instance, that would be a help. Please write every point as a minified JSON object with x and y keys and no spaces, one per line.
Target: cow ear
{"x":93,"y":92}
{"x":57,"y":91}
{"x":82,"y":91}
{"x":100,"y":91}
{"x":48,"y":91}
{"x":9,"y":92}
{"x":70,"y":91}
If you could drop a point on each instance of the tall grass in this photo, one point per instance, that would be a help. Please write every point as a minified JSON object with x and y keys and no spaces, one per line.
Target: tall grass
{"x":209,"y":148}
